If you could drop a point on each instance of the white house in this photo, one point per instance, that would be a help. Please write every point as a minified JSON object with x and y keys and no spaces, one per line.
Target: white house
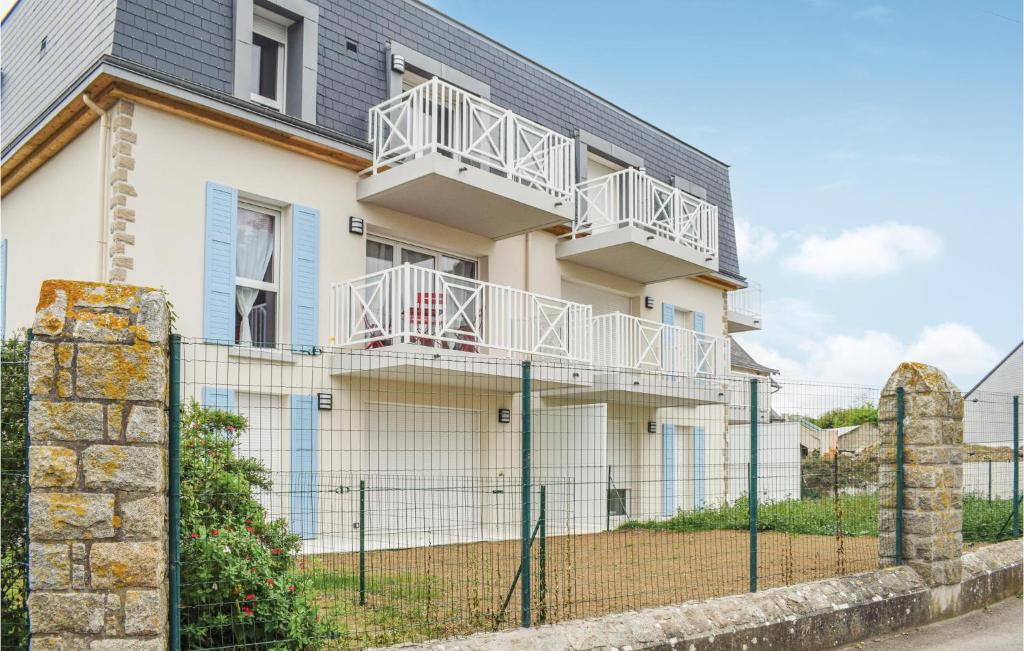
{"x":339,"y":202}
{"x":988,"y":405}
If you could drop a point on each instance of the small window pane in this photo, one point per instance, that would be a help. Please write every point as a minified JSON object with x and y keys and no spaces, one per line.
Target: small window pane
{"x":261,"y":320}
{"x":418,"y":258}
{"x":464,"y":268}
{"x":379,"y":256}
{"x":264,"y":66}
{"x":254,"y":257}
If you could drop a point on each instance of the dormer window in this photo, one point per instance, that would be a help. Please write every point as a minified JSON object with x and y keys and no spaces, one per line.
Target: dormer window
{"x":269,"y":52}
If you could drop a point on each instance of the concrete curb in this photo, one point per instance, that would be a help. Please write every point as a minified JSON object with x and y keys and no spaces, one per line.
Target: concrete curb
{"x":816,"y":615}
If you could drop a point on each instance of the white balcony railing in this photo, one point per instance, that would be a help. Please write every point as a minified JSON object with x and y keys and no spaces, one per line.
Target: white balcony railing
{"x":626,"y":341}
{"x":410,"y":304}
{"x":631,"y":198}
{"x":746,"y":301}
{"x":439,"y":117}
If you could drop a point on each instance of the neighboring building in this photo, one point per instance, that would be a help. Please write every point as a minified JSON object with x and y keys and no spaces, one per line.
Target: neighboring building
{"x":855,"y":439}
{"x":988,"y":410}
{"x":375,"y":176}
{"x":745,"y":368}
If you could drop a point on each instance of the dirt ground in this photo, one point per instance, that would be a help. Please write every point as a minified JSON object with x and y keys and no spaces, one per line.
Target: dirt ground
{"x":426,"y":592}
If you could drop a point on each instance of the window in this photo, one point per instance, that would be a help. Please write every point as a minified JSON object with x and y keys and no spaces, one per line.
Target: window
{"x":269,"y":49}
{"x":383,"y":254}
{"x":256,"y":275}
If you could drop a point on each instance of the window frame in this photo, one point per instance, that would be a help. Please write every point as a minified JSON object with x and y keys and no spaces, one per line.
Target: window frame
{"x":274,"y":28}
{"x":438,"y":254}
{"x":277,"y":215}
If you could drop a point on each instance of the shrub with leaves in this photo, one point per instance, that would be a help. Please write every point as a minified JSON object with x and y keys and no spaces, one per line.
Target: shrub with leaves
{"x":241,"y":584}
{"x":13,"y":493}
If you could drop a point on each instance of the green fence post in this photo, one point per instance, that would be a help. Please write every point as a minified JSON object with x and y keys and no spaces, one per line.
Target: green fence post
{"x":524,"y":544}
{"x":362,"y":542}
{"x":543,"y":565}
{"x":28,"y":489}
{"x":174,"y":492}
{"x":1016,"y":466}
{"x":990,"y":480}
{"x":752,"y":489}
{"x":899,"y":475}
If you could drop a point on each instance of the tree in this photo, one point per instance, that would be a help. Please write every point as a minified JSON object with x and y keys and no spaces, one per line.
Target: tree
{"x":866,"y":413}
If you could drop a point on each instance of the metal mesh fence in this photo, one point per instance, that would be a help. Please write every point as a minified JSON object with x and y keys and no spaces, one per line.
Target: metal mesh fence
{"x":13,"y":493}
{"x":362,"y":497}
{"x":991,"y":467}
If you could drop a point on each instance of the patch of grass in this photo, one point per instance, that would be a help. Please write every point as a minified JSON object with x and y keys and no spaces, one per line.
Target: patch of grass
{"x":983,"y":519}
{"x":817,"y":517}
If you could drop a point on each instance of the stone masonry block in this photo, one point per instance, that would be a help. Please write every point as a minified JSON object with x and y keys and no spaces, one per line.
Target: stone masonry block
{"x":72,"y":612}
{"x":60,"y":643}
{"x":144,"y":519}
{"x":137,"y":372}
{"x":65,"y":421}
{"x":147,"y":425}
{"x":52,"y":467}
{"x":70,"y":516}
{"x":144,"y":612}
{"x":129,"y":644}
{"x":49,"y":566}
{"x":122,"y":467}
{"x":127,"y":564}
{"x":42,"y":366}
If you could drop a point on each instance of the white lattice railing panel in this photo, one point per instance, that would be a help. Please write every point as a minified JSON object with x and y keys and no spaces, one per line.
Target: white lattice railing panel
{"x":411,"y":304}
{"x":631,"y":198}
{"x":437,"y":116}
{"x":625,"y":341}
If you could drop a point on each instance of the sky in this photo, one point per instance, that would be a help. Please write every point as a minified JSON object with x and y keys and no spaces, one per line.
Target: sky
{"x":875,"y":153}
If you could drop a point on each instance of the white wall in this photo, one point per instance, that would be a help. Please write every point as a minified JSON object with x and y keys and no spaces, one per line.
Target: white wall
{"x":977,"y":475}
{"x":778,"y":461}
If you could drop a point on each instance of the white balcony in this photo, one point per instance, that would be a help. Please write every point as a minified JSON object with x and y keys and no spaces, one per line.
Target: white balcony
{"x":635,"y":226}
{"x":744,"y":312}
{"x":414,"y":310}
{"x":447,"y":155}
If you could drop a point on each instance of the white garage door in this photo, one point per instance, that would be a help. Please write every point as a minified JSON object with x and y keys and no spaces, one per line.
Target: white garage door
{"x":423,"y":485}
{"x":604,"y":301}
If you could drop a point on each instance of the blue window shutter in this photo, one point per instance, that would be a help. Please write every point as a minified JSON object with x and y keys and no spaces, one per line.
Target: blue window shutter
{"x":219,"y":264}
{"x":219,"y":398}
{"x":303,"y":466}
{"x":698,"y":322}
{"x":305,"y":278}
{"x":698,"y":467}
{"x":668,"y":470}
{"x":668,"y":344}
{"x":3,"y":288}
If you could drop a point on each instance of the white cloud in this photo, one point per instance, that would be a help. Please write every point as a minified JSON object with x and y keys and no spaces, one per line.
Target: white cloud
{"x":869,"y":357}
{"x":754,"y":243}
{"x":878,"y":13}
{"x":865,"y":252}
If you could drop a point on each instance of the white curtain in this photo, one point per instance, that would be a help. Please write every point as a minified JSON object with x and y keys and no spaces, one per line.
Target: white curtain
{"x":255,"y":249}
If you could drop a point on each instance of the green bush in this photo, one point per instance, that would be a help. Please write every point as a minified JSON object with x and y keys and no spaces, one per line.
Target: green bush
{"x":13,"y":492}
{"x":241,"y":584}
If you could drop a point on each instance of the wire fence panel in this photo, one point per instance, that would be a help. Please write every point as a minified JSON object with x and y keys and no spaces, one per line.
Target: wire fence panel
{"x":990,"y":465}
{"x":354,"y":497}
{"x":13,"y":493}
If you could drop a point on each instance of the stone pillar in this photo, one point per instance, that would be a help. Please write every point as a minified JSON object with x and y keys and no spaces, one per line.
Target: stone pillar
{"x":98,"y":468}
{"x":933,"y":434}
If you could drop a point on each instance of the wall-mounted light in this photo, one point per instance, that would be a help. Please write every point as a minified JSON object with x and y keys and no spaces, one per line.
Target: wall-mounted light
{"x":649,"y":302}
{"x":504,"y":415}
{"x":652,"y":427}
{"x":356,"y":225}
{"x":324,"y":401}
{"x":398,"y":63}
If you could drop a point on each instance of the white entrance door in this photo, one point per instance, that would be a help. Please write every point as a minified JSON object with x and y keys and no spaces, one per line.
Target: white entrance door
{"x":423,"y":484}
{"x":570,"y":455}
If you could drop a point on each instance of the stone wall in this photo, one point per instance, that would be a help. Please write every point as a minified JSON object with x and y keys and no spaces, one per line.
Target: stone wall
{"x":98,"y":468}
{"x":122,"y":164}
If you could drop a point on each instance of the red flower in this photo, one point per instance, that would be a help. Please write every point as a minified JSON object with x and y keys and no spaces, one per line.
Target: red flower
{"x":247,"y":610}
{"x":250,"y":597}
{"x":231,"y":428}
{"x":248,"y":521}
{"x":193,"y":535}
{"x":277,"y":550}
{"x":215,"y":532}
{"x":270,"y":581}
{"x":249,"y":529}
{"x":291,"y":588}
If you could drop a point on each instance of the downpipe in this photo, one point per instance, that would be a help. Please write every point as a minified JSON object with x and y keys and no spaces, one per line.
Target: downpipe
{"x":102,"y":237}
